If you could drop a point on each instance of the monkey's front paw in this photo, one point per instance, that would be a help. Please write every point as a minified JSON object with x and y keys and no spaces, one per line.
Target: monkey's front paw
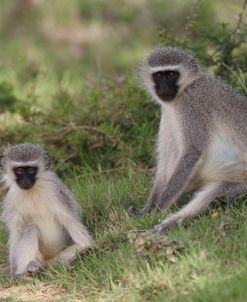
{"x":15,"y":276}
{"x":137,"y":212}
{"x":33,"y":266}
{"x":166,"y":225}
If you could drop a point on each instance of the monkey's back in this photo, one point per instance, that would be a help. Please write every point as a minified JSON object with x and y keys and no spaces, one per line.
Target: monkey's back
{"x":222,"y":101}
{"x":216,"y":103}
{"x":225,"y":112}
{"x":229,"y":110}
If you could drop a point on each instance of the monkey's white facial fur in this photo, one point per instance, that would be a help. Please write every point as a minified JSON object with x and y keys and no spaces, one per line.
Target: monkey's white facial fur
{"x":167,"y":72}
{"x":24,"y":165}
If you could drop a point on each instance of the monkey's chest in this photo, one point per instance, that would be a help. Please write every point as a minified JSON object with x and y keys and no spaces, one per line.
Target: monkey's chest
{"x":53,"y":237}
{"x":38,"y":209}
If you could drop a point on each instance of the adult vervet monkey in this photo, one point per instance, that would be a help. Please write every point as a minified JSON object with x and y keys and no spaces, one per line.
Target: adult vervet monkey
{"x":202,"y":139}
{"x":41,"y":213}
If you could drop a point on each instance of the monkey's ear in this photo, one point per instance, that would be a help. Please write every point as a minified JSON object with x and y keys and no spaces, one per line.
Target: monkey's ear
{"x":1,"y":161}
{"x":194,"y":65}
{"x":49,"y":162}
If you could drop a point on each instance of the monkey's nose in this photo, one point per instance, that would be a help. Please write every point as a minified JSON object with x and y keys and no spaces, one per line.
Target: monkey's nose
{"x":25,"y":184}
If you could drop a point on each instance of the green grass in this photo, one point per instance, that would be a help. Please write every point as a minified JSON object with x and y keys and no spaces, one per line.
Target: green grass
{"x":211,"y":267}
{"x":81,"y":98}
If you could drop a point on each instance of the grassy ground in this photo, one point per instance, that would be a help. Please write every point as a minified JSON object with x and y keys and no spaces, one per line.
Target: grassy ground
{"x":68,"y":80}
{"x":211,"y":267}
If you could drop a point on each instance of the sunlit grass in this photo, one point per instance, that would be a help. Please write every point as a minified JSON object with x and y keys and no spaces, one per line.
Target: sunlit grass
{"x":214,"y":251}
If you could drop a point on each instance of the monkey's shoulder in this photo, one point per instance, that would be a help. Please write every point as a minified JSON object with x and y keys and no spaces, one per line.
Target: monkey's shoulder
{"x":217,"y":90}
{"x":67,"y":197}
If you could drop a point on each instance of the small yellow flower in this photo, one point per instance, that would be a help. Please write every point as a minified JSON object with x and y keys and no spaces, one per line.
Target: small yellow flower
{"x":214,"y":215}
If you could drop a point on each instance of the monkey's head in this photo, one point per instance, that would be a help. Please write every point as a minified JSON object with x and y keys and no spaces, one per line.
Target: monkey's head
{"x":24,"y":163}
{"x":167,"y":71}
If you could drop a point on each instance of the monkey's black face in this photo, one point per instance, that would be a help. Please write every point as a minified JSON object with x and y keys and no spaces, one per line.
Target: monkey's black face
{"x":25,"y":176}
{"x":166,"y":84}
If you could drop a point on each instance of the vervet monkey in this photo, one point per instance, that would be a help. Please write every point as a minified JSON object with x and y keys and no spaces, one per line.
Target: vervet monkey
{"x":41,"y":213}
{"x":202,"y":139}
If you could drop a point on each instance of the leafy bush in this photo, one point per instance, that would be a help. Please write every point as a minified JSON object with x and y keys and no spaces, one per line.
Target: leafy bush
{"x":220,"y":48}
{"x":112,"y":124}
{"x":7,"y":96}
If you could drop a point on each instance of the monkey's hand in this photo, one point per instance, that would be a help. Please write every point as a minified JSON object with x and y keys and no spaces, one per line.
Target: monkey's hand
{"x":33,"y":266}
{"x":137,"y":212}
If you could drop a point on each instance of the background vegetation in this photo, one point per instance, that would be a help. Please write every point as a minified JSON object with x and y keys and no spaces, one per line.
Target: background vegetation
{"x":68,"y":79}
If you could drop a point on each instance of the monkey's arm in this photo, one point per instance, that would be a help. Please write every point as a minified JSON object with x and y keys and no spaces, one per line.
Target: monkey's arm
{"x":79,"y":234}
{"x":165,"y":154}
{"x":23,"y":246}
{"x":195,"y":139}
{"x":82,"y":241}
{"x":195,"y":134}
{"x":15,"y":227}
{"x":175,"y":185}
{"x":68,"y":216}
{"x":71,"y":222}
{"x":151,"y":202}
{"x":180,"y":178}
{"x":27,"y":255}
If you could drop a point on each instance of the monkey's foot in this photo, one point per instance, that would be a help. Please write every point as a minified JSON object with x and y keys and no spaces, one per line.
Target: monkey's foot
{"x":167,"y":224}
{"x":15,"y":275}
{"x":33,"y":266}
{"x":137,"y":212}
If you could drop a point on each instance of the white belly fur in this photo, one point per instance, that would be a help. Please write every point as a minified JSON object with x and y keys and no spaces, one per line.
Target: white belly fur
{"x":223,"y":162}
{"x":38,"y":208}
{"x":52,"y":237}
{"x":170,"y":142}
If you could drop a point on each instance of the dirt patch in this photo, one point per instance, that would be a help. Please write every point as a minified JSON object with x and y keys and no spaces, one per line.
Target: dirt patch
{"x":35,"y":292}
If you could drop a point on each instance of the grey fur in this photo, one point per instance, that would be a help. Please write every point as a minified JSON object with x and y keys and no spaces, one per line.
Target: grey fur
{"x":26,"y":152}
{"x":206,"y":114}
{"x":172,"y":56}
{"x":23,"y":152}
{"x":43,"y":222}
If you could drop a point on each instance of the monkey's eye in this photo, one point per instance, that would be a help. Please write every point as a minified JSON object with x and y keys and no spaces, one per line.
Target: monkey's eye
{"x":31,"y":170}
{"x":159,"y":74}
{"x":172,"y":74}
{"x":19,"y":170}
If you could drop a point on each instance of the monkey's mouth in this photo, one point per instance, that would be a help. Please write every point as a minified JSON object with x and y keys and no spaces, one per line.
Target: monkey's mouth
{"x":165,"y":95}
{"x":25,"y":184}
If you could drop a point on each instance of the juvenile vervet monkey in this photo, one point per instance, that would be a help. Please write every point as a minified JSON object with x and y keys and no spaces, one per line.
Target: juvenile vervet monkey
{"x":41,"y":213}
{"x":202,"y":139}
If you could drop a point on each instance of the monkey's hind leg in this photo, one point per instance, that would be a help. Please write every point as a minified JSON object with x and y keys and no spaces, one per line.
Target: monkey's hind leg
{"x":198,"y":205}
{"x":66,"y":256}
{"x":233,"y":190}
{"x":27,"y":255}
{"x":82,"y":241}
